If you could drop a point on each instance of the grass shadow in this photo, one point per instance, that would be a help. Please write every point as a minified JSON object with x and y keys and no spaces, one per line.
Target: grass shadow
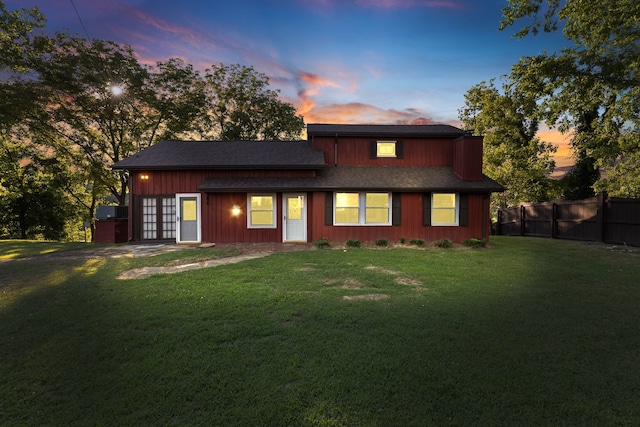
{"x":531,"y":332}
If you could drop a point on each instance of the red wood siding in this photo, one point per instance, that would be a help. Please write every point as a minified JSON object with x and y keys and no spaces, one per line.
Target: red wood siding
{"x":411,"y":223}
{"x":354,"y":151}
{"x":172,"y":182}
{"x":218,"y":225}
{"x":467,"y":163}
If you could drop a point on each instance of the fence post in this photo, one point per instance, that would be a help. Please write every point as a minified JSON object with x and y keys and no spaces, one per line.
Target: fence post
{"x":554,"y":220}
{"x":600,"y":216}
{"x":522,"y":220}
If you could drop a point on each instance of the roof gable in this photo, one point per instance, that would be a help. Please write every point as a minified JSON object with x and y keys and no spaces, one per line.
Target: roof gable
{"x":225,"y":154}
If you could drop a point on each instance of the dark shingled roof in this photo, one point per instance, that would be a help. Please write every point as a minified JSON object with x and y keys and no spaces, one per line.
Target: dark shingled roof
{"x":225,"y":154}
{"x":386,"y":178}
{"x":383,"y":130}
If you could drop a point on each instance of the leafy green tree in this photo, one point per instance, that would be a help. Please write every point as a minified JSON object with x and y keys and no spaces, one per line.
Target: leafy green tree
{"x":33,"y":202}
{"x":104,"y":105}
{"x":17,"y":41}
{"x":591,"y":86}
{"x":578,"y":182}
{"x":513,"y":155}
{"x":242,"y":107}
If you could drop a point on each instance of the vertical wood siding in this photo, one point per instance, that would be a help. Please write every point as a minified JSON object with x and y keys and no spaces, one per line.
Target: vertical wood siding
{"x":411,"y":226}
{"x":353,"y":151}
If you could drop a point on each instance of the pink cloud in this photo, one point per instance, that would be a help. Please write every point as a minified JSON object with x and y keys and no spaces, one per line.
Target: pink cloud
{"x":357,"y":112}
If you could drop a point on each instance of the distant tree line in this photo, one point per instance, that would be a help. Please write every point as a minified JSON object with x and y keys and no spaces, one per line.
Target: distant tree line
{"x":71,"y":107}
{"x":589,"y":90}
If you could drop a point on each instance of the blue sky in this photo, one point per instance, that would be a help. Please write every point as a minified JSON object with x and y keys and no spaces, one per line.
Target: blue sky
{"x":337,"y":61}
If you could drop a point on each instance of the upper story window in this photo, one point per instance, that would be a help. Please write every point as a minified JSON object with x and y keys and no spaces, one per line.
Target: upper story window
{"x":262,"y":213}
{"x":388,"y":149}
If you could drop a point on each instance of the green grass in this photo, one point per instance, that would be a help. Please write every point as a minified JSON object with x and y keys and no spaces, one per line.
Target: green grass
{"x":526,"y":332}
{"x":11,"y":249}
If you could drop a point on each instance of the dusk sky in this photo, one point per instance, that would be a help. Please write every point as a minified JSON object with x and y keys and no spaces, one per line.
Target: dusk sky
{"x":336,"y":61}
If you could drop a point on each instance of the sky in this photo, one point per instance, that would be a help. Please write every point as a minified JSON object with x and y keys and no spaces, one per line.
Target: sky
{"x":336,"y":61}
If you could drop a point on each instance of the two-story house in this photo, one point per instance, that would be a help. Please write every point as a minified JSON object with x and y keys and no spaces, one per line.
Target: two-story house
{"x":345,"y":182}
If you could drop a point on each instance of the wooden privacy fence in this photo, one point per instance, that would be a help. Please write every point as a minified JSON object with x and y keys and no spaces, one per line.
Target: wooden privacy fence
{"x":600,"y":218}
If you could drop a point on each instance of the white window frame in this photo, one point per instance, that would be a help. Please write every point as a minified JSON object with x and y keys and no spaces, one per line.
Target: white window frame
{"x":274,"y":207}
{"x":395,"y":147}
{"x":456,"y":209}
{"x":362,"y":209}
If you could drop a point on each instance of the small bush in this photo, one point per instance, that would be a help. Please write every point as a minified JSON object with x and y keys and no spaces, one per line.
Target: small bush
{"x":443,"y":243}
{"x":353,"y":243}
{"x":382,"y":242}
{"x":322,"y":243}
{"x":475,"y":242}
{"x":402,"y":240}
{"x":417,"y":242}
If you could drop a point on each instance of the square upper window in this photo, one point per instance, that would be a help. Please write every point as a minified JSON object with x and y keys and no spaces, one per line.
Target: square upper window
{"x":386,"y":149}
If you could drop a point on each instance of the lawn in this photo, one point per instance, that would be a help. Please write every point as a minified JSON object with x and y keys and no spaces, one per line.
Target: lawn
{"x":529,"y":332}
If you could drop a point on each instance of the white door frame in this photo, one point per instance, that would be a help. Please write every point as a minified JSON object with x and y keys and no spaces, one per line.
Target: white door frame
{"x":180,"y":196}
{"x":285,"y":196}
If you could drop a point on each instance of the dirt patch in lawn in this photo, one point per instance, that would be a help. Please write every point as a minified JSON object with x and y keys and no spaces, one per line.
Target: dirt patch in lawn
{"x":144,"y":272}
{"x":365,"y":297}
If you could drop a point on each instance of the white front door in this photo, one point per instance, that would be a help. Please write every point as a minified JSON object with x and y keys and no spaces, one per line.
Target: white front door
{"x":188,"y":218}
{"x":295,"y":218}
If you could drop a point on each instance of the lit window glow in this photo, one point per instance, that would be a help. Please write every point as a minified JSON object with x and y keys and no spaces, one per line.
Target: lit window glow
{"x":362,"y":209}
{"x":261,"y":211}
{"x":444,"y":209}
{"x":386,"y":149}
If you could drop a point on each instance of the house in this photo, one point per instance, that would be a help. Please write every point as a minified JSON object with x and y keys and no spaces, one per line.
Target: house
{"x":344,"y":182}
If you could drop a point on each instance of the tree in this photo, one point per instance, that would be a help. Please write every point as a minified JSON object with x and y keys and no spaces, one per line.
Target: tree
{"x":590,"y":87}
{"x":33,"y":202}
{"x":513,"y":155}
{"x":104,"y":105}
{"x":243,"y":108}
{"x":17,"y":42}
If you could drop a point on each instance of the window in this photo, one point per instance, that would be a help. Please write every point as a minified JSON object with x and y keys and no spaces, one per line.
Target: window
{"x":385,"y":149}
{"x":262,"y":212}
{"x":444,"y":209}
{"x":169,"y":218}
{"x":362,"y":209}
{"x":149,"y":219}
{"x":158,"y":218}
{"x":388,"y":149}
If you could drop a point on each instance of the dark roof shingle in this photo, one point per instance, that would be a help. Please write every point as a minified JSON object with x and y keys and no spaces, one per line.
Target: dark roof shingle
{"x":382,"y":178}
{"x":383,"y":130}
{"x":225,"y":154}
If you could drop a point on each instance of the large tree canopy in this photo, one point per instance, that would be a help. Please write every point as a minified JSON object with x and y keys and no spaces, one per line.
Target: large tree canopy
{"x":513,"y":155}
{"x":242,"y":107}
{"x":71,"y":107}
{"x":104,"y":105}
{"x":591,"y":87}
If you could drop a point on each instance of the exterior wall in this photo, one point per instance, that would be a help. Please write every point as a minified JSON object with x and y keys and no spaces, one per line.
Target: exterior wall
{"x":411,"y":223}
{"x":467,"y":158}
{"x":171,"y":182}
{"x":354,"y":151}
{"x":218,"y":225}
